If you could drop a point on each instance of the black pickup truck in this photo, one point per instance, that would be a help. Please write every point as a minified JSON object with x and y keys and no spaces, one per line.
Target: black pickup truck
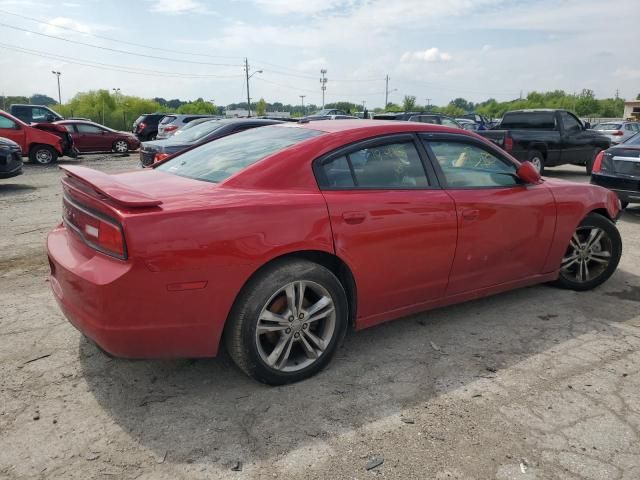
{"x":547,"y":138}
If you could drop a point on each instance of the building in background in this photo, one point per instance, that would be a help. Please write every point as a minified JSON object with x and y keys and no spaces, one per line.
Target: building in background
{"x":632,"y":110}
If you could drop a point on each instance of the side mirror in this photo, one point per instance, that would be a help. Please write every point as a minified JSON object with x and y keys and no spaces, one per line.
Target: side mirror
{"x":528,"y":173}
{"x":49,"y":118}
{"x":587,"y":125}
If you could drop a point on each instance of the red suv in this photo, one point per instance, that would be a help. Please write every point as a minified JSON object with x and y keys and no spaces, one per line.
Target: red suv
{"x":42,"y":142}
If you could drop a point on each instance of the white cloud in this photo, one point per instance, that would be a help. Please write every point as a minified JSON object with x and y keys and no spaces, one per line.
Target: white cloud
{"x":303,"y":7}
{"x":178,"y":7}
{"x":65,"y":22}
{"x":430,"y":55}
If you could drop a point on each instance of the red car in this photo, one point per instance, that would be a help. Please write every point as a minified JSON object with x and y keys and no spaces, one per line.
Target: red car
{"x":92,"y":137}
{"x":42,"y":142}
{"x":275,"y":240}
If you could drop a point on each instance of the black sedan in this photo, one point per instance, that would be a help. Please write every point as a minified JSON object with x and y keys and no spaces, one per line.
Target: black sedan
{"x":10,"y":158}
{"x":618,"y":169}
{"x":151,"y":152}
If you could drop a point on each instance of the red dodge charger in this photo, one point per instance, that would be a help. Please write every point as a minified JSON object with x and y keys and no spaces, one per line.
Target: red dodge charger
{"x":276,"y":240}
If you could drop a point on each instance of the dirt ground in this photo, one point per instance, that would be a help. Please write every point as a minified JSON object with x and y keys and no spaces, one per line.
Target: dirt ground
{"x":534,"y":384}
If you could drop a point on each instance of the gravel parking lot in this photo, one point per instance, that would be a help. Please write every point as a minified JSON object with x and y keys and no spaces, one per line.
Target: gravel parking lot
{"x":533,"y":384}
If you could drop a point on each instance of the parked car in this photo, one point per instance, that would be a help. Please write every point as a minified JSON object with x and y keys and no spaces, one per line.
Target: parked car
{"x":274,"y":241}
{"x":313,"y":118}
{"x":10,"y":158}
{"x":157,"y":150}
{"x":482,"y":123}
{"x":617,"y":132}
{"x":435,"y":119}
{"x":618,"y":169}
{"x":170,"y":123}
{"x":547,"y":138}
{"x":93,"y":137}
{"x":403,"y":116}
{"x":34,"y":113}
{"x":328,"y":111}
{"x":145,"y":126}
{"x":42,"y":142}
{"x":467,"y":124}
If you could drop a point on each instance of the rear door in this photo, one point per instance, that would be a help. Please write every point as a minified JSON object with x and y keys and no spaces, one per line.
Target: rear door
{"x":391,"y":222}
{"x":505,"y":228}
{"x":92,"y":138}
{"x":13,"y":131}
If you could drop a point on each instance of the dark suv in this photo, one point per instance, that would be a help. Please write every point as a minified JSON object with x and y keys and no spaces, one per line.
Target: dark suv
{"x":146,"y":126}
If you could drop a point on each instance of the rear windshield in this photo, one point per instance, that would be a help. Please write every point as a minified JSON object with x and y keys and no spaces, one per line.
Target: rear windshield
{"x":167,"y":119}
{"x":195,"y":133}
{"x":524,"y":120}
{"x":635,"y":140}
{"x":218,"y":160}
{"x":608,"y":126}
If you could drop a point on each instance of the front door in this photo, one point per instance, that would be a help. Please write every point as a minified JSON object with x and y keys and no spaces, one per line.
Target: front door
{"x":391,"y":223}
{"x":505,"y":228}
{"x":576,"y":142}
{"x":91,"y":138}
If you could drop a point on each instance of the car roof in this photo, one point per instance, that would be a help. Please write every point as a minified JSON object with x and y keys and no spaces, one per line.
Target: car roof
{"x":376,"y":126}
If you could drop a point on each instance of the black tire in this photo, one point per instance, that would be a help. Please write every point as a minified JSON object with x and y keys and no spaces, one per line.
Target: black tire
{"x":589,"y":164}
{"x":240,"y":332}
{"x":594,"y":220}
{"x":537,"y":158}
{"x":43,"y":155}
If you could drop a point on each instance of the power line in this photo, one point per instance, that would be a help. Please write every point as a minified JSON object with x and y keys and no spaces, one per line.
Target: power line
{"x":117,"y":50}
{"x":106,"y":66}
{"x":152,"y":47}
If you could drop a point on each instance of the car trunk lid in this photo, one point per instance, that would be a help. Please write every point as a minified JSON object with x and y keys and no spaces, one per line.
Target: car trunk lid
{"x":622,"y":161}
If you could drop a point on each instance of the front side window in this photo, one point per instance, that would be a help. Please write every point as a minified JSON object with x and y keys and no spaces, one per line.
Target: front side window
{"x":217,"y":161}
{"x":69,"y":127}
{"x":85,"y":128}
{"x":570,"y":122}
{"x":391,"y":166}
{"x":7,"y":122}
{"x":40,"y":114}
{"x":466,"y":165}
{"x":450,"y":123}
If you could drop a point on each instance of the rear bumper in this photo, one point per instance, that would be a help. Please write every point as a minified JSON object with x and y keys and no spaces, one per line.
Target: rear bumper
{"x":627,"y":188}
{"x":125,"y":308}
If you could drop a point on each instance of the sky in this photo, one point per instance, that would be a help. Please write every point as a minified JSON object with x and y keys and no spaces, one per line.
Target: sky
{"x":432,"y":49}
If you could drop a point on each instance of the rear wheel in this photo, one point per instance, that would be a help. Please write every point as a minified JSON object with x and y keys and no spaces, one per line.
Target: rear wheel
{"x":537,"y":159}
{"x":43,"y":154}
{"x":288,"y":322}
{"x":592,"y":255}
{"x":120,"y":146}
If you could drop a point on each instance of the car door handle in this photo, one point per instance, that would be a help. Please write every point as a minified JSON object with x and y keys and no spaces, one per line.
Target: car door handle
{"x":471,"y":214}
{"x":353,"y":217}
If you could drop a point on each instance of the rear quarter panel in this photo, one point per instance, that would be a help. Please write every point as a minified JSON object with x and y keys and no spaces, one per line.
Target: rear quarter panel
{"x":574,"y":202}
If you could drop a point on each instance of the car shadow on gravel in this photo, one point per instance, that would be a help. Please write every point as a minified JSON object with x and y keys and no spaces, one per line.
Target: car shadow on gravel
{"x":13,"y":188}
{"x":207,"y":411}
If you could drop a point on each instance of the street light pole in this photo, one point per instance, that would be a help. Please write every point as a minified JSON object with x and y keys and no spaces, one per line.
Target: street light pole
{"x":302,"y":101}
{"x":323,"y":84}
{"x":246,"y":69}
{"x":57,"y":74}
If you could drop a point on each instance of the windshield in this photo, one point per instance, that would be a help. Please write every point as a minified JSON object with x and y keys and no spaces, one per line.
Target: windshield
{"x":197,"y":132}
{"x":325,"y":111}
{"x":635,"y":140}
{"x":608,"y":126}
{"x":218,"y":160}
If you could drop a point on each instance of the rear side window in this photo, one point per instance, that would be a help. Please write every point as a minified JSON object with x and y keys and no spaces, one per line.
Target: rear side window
{"x":167,"y":119}
{"x":217,"y":161}
{"x":69,"y":127}
{"x":6,"y":122}
{"x":390,"y":166}
{"x":84,"y":128}
{"x":524,"y":120}
{"x":608,"y":126}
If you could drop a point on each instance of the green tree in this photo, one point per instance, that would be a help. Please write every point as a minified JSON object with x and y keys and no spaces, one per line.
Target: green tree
{"x":638,"y":97}
{"x":40,"y":99}
{"x":261,"y":107}
{"x":463,"y":104}
{"x":409,"y":103}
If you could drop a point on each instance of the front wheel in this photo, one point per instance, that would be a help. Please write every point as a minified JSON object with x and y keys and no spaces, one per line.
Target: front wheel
{"x":537,"y":159}
{"x":43,"y":155}
{"x":120,"y":146}
{"x":288,"y":322}
{"x":592,"y":255}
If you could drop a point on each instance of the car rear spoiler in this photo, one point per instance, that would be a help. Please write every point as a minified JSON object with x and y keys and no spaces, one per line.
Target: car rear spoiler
{"x":111,"y":188}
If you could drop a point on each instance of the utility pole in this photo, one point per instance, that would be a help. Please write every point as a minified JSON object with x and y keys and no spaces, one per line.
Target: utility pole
{"x":302,"y":101}
{"x":428,"y":104}
{"x":323,"y":83}
{"x":246,"y":69}
{"x":386,"y":92}
{"x":57,"y":74}
{"x":617,"y":93}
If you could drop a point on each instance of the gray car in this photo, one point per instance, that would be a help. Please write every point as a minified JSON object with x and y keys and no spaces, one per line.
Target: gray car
{"x":616,"y":131}
{"x":170,"y":123}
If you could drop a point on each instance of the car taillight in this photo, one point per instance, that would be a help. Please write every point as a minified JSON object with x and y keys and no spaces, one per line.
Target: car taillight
{"x":597,"y":163}
{"x":619,"y":133}
{"x":508,"y":143}
{"x":142,"y":126}
{"x":170,"y":128}
{"x":101,"y":233}
{"x":160,"y":156}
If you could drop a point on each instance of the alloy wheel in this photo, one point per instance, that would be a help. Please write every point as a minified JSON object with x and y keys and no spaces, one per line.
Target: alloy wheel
{"x":121,"y":146}
{"x":588,"y":255}
{"x":295,"y":326}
